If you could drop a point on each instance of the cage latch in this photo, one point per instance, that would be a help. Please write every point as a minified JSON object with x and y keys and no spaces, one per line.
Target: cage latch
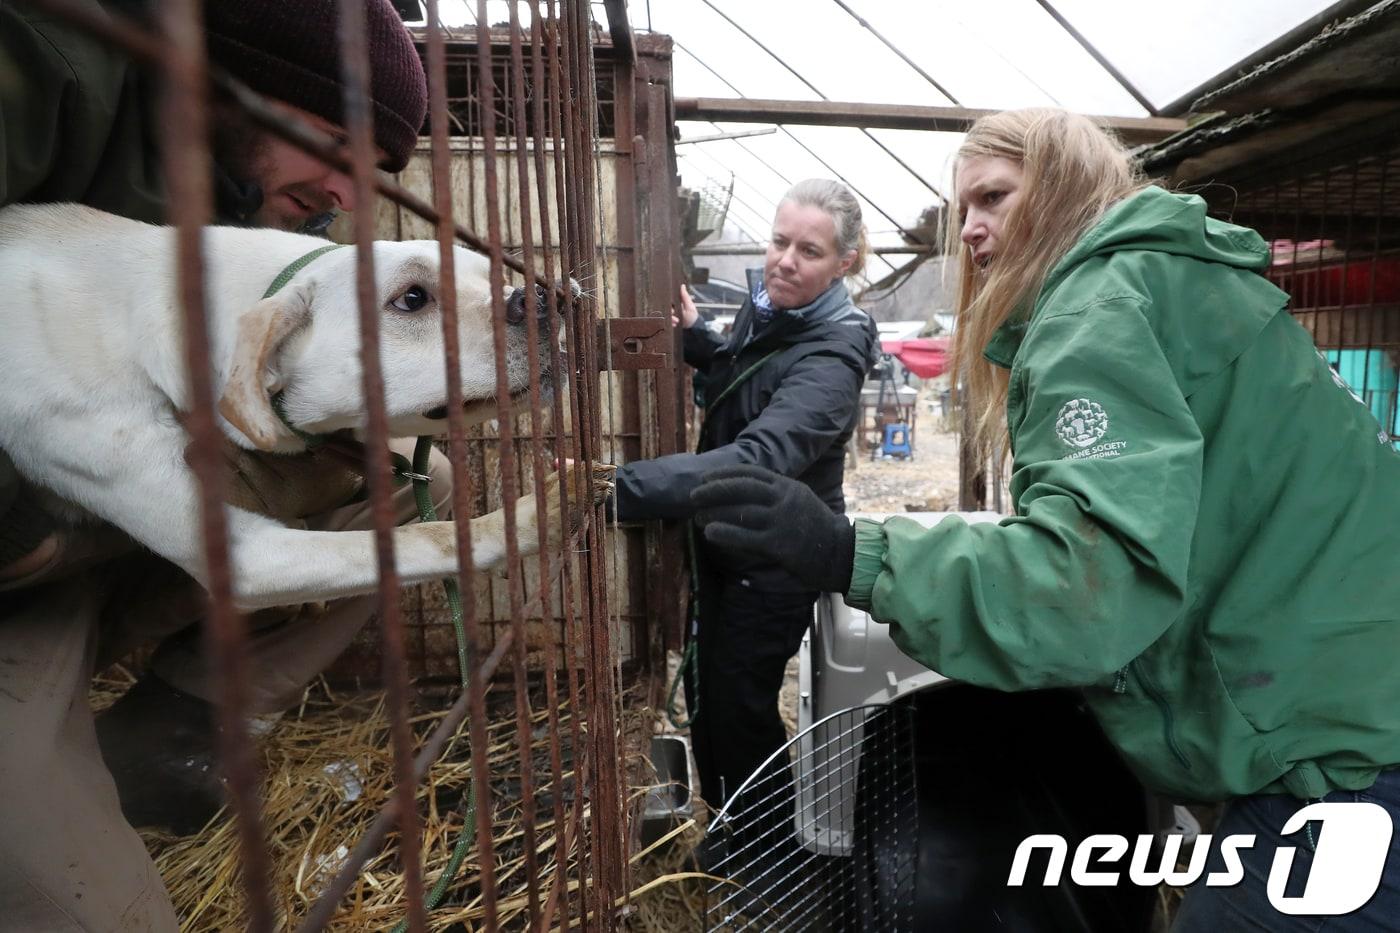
{"x":634,"y":343}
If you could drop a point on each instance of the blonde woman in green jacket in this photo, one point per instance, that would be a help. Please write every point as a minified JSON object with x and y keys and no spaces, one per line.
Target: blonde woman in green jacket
{"x":1206,"y":518}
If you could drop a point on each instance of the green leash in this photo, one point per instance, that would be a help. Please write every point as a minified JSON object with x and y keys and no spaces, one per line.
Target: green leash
{"x":427,"y":513}
{"x":690,"y":659}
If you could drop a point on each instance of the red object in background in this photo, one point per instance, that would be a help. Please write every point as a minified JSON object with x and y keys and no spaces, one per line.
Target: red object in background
{"x":1333,"y":283}
{"x":925,"y":357}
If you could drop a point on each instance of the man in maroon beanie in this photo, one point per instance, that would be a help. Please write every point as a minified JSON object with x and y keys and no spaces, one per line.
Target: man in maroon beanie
{"x":78,"y":122}
{"x":289,"y":52}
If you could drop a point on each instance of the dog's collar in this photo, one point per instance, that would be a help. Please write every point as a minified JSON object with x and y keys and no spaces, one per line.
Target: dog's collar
{"x":296,"y":266}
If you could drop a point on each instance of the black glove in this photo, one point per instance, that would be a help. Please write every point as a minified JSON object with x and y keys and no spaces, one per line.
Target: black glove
{"x":761,"y":513}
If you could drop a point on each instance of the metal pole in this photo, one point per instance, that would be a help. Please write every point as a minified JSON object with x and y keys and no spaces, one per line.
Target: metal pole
{"x":524,"y":730}
{"x":1131,"y":130}
{"x":757,"y":249}
{"x":186,"y":168}
{"x":896,"y":50}
{"x":487,"y":116}
{"x":766,"y":131}
{"x":354,"y":56}
{"x":1104,"y":63}
{"x":559,"y":889}
{"x":902,"y":164}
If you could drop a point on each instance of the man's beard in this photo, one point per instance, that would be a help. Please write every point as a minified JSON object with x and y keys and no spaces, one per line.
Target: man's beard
{"x":242,"y":154}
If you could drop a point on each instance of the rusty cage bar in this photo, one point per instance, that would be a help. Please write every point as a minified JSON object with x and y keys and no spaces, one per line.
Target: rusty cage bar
{"x":549,"y":150}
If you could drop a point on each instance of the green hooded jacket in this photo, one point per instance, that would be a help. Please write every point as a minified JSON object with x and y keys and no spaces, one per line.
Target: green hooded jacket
{"x":1206,"y":528}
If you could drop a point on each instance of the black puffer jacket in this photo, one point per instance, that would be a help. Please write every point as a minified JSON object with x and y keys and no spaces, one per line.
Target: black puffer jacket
{"x":793,"y":415}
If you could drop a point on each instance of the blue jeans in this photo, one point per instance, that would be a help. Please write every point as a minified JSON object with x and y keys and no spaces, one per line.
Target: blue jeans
{"x":1246,"y":906}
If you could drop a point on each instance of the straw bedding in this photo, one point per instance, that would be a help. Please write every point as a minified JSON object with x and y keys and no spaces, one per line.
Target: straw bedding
{"x":327,"y":771}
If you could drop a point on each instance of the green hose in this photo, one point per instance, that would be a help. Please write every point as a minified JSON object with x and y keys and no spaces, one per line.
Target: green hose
{"x":427,"y":513}
{"x":690,"y":657}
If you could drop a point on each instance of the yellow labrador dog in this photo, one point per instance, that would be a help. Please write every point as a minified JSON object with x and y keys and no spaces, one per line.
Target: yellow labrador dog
{"x":92,"y":385}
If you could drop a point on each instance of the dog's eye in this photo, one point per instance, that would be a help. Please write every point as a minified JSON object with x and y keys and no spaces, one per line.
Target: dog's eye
{"x":413,"y":299}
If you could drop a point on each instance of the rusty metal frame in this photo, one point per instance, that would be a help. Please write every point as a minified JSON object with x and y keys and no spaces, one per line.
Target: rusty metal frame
{"x":1344,"y":190}
{"x":1330,"y":208}
{"x":183,"y":109}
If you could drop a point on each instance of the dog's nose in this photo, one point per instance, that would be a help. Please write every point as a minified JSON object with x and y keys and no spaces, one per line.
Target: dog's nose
{"x":515,"y":305}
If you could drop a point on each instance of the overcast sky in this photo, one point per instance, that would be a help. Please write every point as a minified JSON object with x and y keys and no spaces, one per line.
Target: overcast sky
{"x":986,"y":53}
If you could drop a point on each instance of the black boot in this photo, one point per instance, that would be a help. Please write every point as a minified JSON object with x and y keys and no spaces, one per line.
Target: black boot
{"x":159,"y":744}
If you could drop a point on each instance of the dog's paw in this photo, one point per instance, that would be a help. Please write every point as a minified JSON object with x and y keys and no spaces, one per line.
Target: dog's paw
{"x":589,"y":486}
{"x":600,"y":478}
{"x":542,"y":519}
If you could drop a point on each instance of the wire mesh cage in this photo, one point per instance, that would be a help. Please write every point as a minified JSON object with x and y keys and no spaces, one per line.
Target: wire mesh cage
{"x":824,"y":835}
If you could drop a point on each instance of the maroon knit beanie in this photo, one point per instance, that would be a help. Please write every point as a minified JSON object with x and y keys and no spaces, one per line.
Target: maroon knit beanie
{"x":289,"y":50}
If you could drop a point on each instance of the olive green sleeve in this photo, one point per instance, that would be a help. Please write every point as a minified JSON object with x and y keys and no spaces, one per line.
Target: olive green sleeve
{"x":1092,"y":569}
{"x":34,"y":82}
{"x":76,"y":119}
{"x":869,"y":561}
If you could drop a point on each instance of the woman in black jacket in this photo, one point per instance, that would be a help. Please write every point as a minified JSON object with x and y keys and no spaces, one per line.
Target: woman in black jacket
{"x":781,"y":392}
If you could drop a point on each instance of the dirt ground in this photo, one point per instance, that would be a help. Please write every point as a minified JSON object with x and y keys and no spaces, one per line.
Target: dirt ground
{"x":926,"y":482}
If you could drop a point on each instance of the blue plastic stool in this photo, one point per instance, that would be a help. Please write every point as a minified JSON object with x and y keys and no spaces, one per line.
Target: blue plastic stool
{"x":896,"y":441}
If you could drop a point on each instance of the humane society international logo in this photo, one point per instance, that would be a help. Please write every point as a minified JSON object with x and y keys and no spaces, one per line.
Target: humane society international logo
{"x":1081,"y":424}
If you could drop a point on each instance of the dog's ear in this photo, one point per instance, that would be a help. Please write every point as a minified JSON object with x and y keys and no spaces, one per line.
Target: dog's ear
{"x":261,"y":330}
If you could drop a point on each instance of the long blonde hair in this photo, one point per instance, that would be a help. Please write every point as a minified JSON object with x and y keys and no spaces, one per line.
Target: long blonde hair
{"x":1073,"y":172}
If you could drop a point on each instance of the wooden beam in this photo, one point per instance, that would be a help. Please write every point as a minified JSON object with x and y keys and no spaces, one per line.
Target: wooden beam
{"x":621,"y":29}
{"x":1132,"y":130}
{"x":758,"y":249}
